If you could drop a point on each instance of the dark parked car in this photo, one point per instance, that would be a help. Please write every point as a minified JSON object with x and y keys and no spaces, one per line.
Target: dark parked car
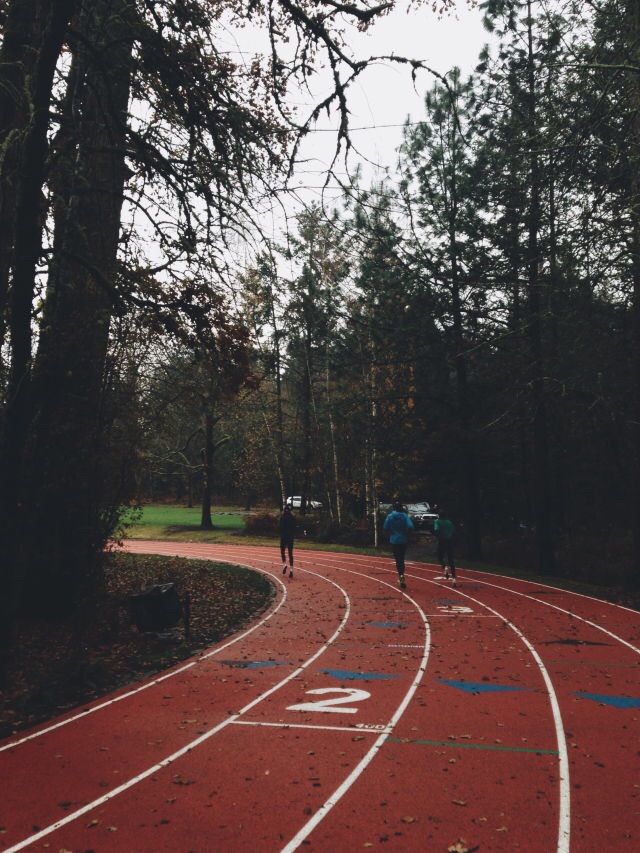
{"x":419,"y":512}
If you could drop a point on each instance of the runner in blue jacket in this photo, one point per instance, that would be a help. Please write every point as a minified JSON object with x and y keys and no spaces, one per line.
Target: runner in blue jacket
{"x":398,"y":524}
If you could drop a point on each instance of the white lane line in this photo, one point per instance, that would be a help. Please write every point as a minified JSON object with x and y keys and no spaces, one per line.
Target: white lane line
{"x":562,"y":610}
{"x":350,"y":731}
{"x":564,"y":793}
{"x":564,"y":790}
{"x":87,"y":713}
{"x":194,"y":743}
{"x":323,"y":811}
{"x":564,"y":822}
{"x":357,"y":771}
{"x":542,"y":601}
{"x":434,"y":568}
{"x":558,"y":589}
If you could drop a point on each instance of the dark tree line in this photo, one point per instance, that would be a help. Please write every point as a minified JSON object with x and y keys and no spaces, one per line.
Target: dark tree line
{"x":479,"y":343}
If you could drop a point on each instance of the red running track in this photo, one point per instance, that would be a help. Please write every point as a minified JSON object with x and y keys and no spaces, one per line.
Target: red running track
{"x":500,"y":716}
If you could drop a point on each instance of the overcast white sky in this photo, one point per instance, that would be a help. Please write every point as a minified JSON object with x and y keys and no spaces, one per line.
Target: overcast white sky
{"x":384,"y":94}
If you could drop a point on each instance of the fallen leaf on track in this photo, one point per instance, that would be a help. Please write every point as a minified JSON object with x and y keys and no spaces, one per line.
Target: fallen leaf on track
{"x":178,"y":780}
{"x":461,"y":847}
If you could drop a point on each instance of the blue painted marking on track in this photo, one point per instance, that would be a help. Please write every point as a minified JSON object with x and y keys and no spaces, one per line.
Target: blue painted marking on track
{"x":446,"y":602}
{"x":481,"y":686}
{"x":254,"y":664}
{"x":388,"y":624}
{"x":349,"y":675}
{"x":614,"y":701}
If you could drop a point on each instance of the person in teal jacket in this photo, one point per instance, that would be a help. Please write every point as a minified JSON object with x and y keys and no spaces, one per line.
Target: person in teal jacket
{"x":444,"y":531}
{"x":398,"y":524}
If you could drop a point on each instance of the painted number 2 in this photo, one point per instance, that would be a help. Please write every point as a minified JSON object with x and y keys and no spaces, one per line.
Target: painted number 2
{"x":350,"y":694}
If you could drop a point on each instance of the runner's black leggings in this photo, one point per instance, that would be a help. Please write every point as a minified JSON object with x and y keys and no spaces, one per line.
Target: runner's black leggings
{"x":445,"y":555}
{"x":286,"y":544}
{"x":399,"y":552}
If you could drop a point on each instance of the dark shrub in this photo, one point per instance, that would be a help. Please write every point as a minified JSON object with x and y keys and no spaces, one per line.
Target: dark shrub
{"x":332,"y":531}
{"x":359,"y":537}
{"x":262,"y":524}
{"x":308,"y":527}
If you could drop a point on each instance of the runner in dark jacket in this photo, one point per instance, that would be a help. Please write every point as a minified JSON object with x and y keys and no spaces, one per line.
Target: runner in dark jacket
{"x":444,"y":530}
{"x":287,"y":535}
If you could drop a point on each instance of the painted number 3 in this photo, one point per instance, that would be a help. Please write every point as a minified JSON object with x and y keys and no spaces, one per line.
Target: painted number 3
{"x":350,"y":694}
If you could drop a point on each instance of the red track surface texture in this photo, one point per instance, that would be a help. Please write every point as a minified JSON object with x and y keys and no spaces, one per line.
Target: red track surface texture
{"x":500,"y":716}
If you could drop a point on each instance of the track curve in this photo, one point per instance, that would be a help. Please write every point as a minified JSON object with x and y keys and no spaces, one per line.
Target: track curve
{"x":501,"y":716}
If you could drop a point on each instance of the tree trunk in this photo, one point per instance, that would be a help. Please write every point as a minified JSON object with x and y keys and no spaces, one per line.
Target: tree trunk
{"x":523,"y":510}
{"x":306,"y":424}
{"x":27,"y":223}
{"x":279,"y":412}
{"x":468,"y":456}
{"x":21,"y":36}
{"x":373,"y":451}
{"x":374,"y":469}
{"x":334,"y":447}
{"x":633,"y":83}
{"x":543,"y":490}
{"x":207,"y":472}
{"x":70,"y":458}
{"x":336,"y":468}
{"x":276,"y":457}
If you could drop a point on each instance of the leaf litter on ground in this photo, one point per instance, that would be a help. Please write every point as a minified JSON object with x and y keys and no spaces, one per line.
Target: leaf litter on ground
{"x":56,"y":666}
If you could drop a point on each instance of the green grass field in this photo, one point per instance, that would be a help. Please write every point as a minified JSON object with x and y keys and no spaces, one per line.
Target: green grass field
{"x":170,"y":521}
{"x":174,"y":523}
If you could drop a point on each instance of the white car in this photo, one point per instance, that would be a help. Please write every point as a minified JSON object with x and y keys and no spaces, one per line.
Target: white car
{"x":418,"y":506}
{"x":422,"y":516}
{"x":295,"y":502}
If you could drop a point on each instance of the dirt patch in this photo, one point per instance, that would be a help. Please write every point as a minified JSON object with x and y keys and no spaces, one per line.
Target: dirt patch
{"x":57,"y":666}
